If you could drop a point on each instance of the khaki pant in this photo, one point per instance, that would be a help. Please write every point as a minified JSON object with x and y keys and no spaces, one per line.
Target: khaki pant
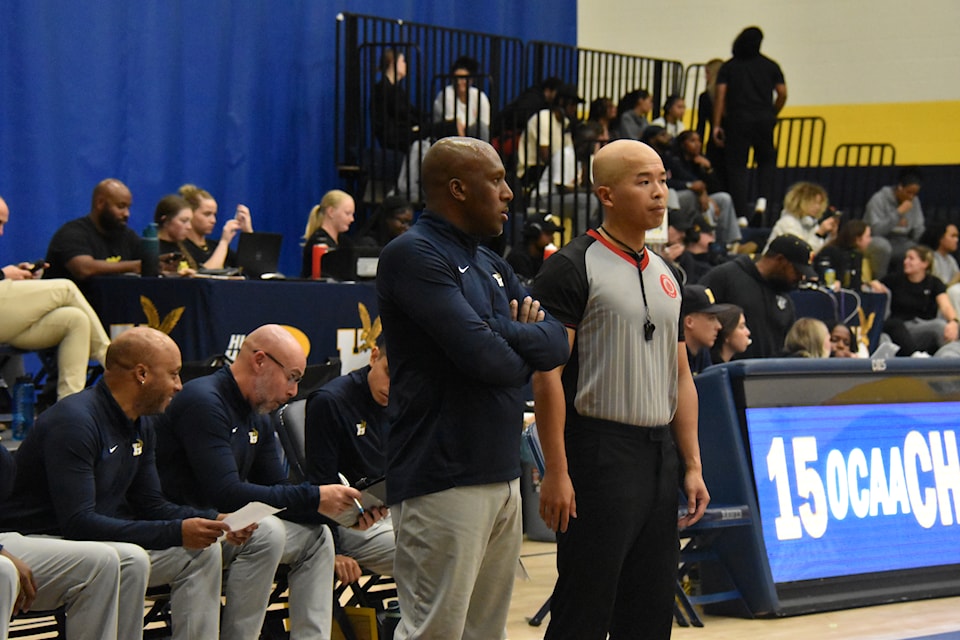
{"x":39,"y":314}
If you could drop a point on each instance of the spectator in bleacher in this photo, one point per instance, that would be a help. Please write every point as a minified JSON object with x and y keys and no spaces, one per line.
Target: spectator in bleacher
{"x":563,"y":189}
{"x":943,"y":238}
{"x":527,"y":256}
{"x":345,"y":434}
{"x":86,"y":471}
{"x":745,"y":113}
{"x":921,"y":316}
{"x":40,"y":314}
{"x":603,"y":121}
{"x":99,"y":243}
{"x":762,"y":290}
{"x":548,"y":131}
{"x":713,"y":152}
{"x":841,"y":341}
{"x":674,"y":251}
{"x":462,"y":103}
{"x":172,"y":216}
{"x":896,"y":218}
{"x":806,"y":215}
{"x":733,"y":337}
{"x":807,"y":338}
{"x":327,"y":223}
{"x":672,"y":119}
{"x":698,"y":256}
{"x":197,"y":244}
{"x":396,"y":120}
{"x":514,"y":116}
{"x":217,"y":449}
{"x":845,"y":255}
{"x":698,"y":313}
{"x":41,"y":573}
{"x":691,"y":166}
{"x":632,"y":112}
{"x":393,"y":217}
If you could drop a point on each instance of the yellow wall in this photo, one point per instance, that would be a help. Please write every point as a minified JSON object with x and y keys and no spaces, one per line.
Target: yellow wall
{"x":876,"y":70}
{"x":921,"y":132}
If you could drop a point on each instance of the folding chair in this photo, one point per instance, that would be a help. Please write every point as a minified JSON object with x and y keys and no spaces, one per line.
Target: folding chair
{"x":374,"y":590}
{"x":697,"y":550}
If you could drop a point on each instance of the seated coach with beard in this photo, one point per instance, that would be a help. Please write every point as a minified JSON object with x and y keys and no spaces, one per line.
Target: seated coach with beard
{"x":99,"y":243}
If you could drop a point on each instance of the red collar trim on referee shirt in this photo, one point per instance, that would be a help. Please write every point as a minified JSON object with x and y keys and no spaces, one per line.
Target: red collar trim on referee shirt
{"x":644,"y":256}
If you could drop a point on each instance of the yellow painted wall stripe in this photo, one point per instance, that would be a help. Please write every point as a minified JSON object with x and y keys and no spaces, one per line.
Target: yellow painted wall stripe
{"x":925,"y":133}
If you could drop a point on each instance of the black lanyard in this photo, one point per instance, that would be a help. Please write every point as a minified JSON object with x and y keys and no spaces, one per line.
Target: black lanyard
{"x":648,"y":326}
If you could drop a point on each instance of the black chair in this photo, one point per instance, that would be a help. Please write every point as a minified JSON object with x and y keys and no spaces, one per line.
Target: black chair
{"x":816,"y":302}
{"x":698,"y":550}
{"x":373,"y":590}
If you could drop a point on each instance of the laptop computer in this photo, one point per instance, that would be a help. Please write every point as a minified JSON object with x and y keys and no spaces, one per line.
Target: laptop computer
{"x":258,"y":253}
{"x":351,"y":262}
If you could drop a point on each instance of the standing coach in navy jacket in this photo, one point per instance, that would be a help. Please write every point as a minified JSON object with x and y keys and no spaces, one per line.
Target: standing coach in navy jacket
{"x":464,"y":339}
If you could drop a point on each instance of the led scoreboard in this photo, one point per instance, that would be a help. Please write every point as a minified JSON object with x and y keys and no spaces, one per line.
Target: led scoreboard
{"x":852,"y":474}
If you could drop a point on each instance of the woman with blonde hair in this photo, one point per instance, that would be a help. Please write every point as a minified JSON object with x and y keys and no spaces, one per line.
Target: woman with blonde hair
{"x":805,"y":215}
{"x":204,"y":253}
{"x":807,"y":338}
{"x":327,"y":224}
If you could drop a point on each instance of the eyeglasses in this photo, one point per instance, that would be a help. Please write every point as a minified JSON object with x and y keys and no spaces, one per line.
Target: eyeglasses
{"x":292,"y":378}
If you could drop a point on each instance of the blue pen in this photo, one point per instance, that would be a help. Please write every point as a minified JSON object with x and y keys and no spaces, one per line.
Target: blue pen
{"x":346,"y":483}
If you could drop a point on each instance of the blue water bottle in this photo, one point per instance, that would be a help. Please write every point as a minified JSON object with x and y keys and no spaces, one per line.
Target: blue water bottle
{"x":24,"y":400}
{"x":150,"y":259}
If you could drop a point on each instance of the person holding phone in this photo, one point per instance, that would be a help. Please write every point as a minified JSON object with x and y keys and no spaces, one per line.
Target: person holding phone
{"x":209,"y":255}
{"x":41,"y":314}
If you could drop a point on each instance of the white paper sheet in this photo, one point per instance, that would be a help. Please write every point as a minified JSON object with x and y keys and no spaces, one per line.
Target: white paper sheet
{"x":248,"y":514}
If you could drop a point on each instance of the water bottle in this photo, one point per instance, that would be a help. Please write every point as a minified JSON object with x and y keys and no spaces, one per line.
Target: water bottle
{"x":150,"y":258}
{"x":391,"y":619}
{"x":24,"y":399}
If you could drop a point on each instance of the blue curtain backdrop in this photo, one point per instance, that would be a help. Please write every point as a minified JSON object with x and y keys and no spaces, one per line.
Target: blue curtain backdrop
{"x":235,"y":96}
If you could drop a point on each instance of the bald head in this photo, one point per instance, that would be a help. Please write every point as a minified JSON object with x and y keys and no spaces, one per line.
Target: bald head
{"x":140,"y":345}
{"x":464,"y":181}
{"x":631,"y":184}
{"x":619,"y":160}
{"x":446,"y":160}
{"x":269,"y":367}
{"x":275,"y":339}
{"x":110,"y":206}
{"x":111,"y":188}
{"x":142,"y":371}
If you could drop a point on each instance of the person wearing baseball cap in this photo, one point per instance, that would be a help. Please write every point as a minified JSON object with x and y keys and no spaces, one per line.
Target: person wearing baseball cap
{"x":762,"y":290}
{"x":698,"y":313}
{"x":798,"y":253}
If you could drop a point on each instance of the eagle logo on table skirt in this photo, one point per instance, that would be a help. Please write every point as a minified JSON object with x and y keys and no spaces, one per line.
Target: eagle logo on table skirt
{"x":153,"y":316}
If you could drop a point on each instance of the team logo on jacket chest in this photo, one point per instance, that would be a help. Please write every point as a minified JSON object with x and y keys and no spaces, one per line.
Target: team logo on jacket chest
{"x":498,"y":278}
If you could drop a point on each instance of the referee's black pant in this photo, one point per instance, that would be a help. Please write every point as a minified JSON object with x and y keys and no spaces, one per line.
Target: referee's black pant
{"x":617,"y":562}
